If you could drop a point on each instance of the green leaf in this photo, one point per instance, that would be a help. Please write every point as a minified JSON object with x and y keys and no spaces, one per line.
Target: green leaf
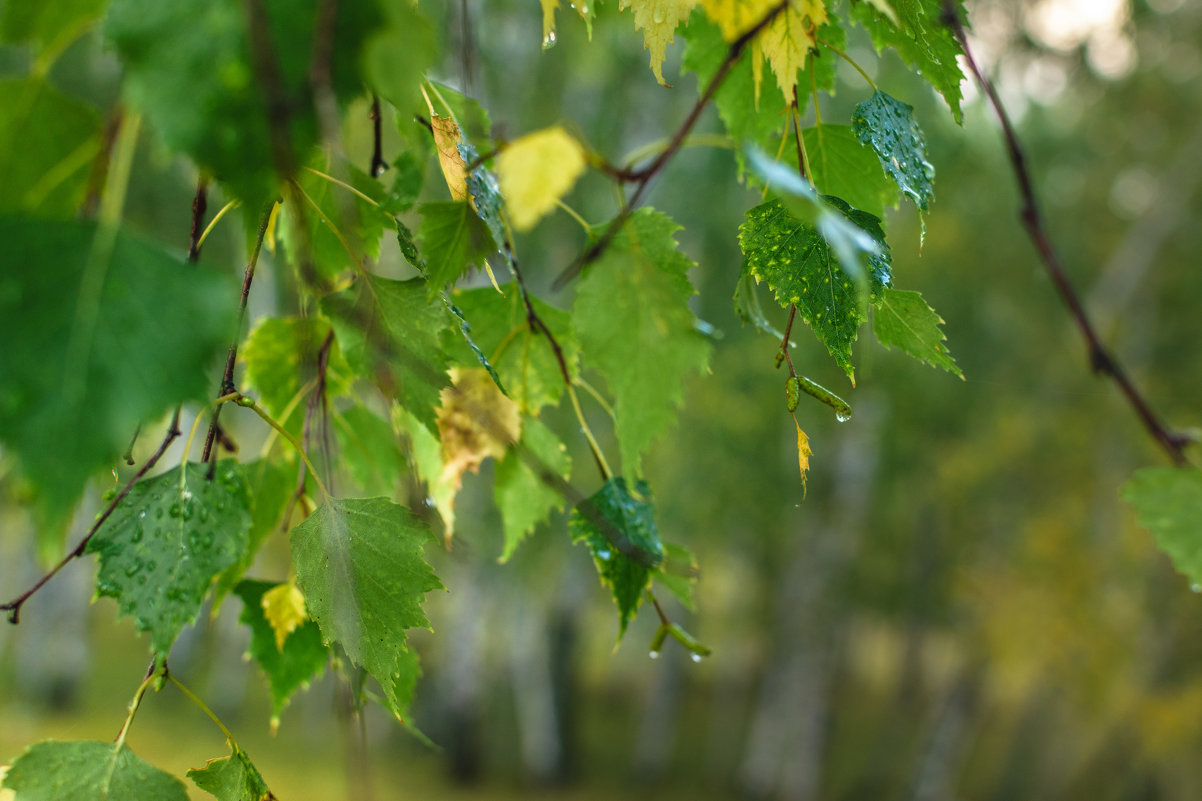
{"x":678,"y":573}
{"x":49,"y":26}
{"x":388,"y":330}
{"x":341,"y":216}
{"x":370,"y":450}
{"x":85,"y":770}
{"x":887,"y":125}
{"x":166,"y":541}
{"x":1168,"y":502}
{"x":290,"y":668}
{"x":905,"y":321}
{"x":47,"y":144}
{"x":272,"y":485}
{"x":523,"y":358}
{"x":801,"y":269}
{"x":528,"y":482}
{"x":922,"y":41}
{"x":243,"y":122}
{"x":465,"y":331}
{"x":620,"y":532}
{"x":841,"y":166}
{"x":746,"y":119}
{"x":232,"y":778}
{"x":747,"y":305}
{"x":281,"y":357}
{"x":454,"y":239}
{"x":637,"y":294}
{"x":108,"y":333}
{"x":359,"y":564}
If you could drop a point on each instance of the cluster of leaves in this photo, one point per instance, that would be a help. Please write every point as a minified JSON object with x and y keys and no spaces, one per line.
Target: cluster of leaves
{"x":401,"y":370}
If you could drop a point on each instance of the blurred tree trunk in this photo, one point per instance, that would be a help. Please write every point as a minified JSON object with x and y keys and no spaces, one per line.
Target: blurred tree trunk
{"x":785,"y":748}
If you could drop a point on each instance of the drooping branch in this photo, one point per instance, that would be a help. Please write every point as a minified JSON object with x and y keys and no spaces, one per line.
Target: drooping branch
{"x":1101,"y":359}
{"x":13,"y":607}
{"x":641,"y":177}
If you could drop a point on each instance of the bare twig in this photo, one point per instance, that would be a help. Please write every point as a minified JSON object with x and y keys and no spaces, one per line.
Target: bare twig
{"x":1101,"y":359}
{"x":642,"y":177}
{"x":14,"y":606}
{"x":378,"y":164}
{"x":199,"y":206}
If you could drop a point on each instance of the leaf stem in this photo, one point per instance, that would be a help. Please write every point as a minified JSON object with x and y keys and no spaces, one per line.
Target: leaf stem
{"x":152,"y":673}
{"x":378,"y":164}
{"x":590,"y":389}
{"x":846,"y":58}
{"x":602,"y":465}
{"x":249,"y":403}
{"x":204,"y":708}
{"x":575,"y":215}
{"x":224,"y":210}
{"x":341,"y":183}
{"x":200,"y":204}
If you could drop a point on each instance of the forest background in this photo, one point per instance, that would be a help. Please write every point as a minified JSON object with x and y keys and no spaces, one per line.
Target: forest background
{"x":961,"y":606}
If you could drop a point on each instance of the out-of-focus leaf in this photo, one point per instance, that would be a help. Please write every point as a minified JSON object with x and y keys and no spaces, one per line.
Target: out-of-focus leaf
{"x":85,"y":770}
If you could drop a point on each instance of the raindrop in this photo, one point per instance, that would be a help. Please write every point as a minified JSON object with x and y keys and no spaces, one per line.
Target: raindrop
{"x":654,"y":654}
{"x":843,"y":415}
{"x":174,"y":510}
{"x":142,"y":515}
{"x":151,"y":565}
{"x":1196,"y":588}
{"x":137,"y":535}
{"x":158,"y":512}
{"x":549,"y":41}
{"x":604,"y":556}
{"x":204,"y":514}
{"x":132,"y":570}
{"x":659,"y":14}
{"x":696,"y":657}
{"x":141,"y":580}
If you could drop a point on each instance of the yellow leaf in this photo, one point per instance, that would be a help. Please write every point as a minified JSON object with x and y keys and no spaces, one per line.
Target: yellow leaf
{"x":549,"y":7}
{"x":284,"y":608}
{"x":5,"y":793}
{"x":783,"y":44}
{"x":787,"y":40}
{"x":475,"y":422}
{"x":803,"y":453}
{"x":657,"y":19}
{"x":447,"y":138}
{"x":536,"y":171}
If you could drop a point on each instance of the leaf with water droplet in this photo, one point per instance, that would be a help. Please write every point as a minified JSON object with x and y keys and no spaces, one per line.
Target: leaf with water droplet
{"x":359,"y":564}
{"x":1168,"y":502}
{"x":887,"y":125}
{"x":161,"y":577}
{"x":232,"y":778}
{"x":85,"y":770}
{"x":620,"y":531}
{"x":301,"y":658}
{"x":801,"y":268}
{"x":657,"y":19}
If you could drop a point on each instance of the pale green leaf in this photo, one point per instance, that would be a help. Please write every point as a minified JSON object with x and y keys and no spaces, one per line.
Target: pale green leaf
{"x":841,"y":166}
{"x":454,"y":239}
{"x":1168,"y":502}
{"x":281,"y":357}
{"x":232,"y":778}
{"x":85,"y":770}
{"x":635,"y":327}
{"x":905,"y":321}
{"x":528,"y":482}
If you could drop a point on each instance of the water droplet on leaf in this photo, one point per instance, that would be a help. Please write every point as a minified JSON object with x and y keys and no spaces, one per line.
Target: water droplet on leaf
{"x":654,"y":654}
{"x":842,"y":415}
{"x":696,"y":657}
{"x":549,"y":42}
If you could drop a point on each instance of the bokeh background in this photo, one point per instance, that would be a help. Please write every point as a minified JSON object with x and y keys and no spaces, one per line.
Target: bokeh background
{"x":960,"y":608}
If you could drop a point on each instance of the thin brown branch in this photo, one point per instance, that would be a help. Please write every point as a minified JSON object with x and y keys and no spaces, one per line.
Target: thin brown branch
{"x":378,"y":164}
{"x":13,"y":607}
{"x":1100,"y":358}
{"x":199,"y":206}
{"x":227,"y":379}
{"x":642,"y":177}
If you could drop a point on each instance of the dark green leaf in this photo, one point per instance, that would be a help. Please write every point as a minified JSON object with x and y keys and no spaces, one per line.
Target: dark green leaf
{"x":359,"y":564}
{"x":523,"y":358}
{"x":166,"y":541}
{"x":1168,"y":502}
{"x":272,"y":487}
{"x":841,"y":166}
{"x":620,"y":532}
{"x":528,"y":480}
{"x":887,"y":126}
{"x":49,"y":26}
{"x":905,"y":321}
{"x":388,"y":330}
{"x":109,"y":334}
{"x":801,"y":269}
{"x":454,"y":239}
{"x":84,"y":770}
{"x":47,"y":143}
{"x":465,"y":330}
{"x":232,"y":778}
{"x":290,"y":668}
{"x":635,"y":327}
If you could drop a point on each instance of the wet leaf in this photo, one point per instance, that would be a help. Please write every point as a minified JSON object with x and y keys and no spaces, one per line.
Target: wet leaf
{"x":85,"y":770}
